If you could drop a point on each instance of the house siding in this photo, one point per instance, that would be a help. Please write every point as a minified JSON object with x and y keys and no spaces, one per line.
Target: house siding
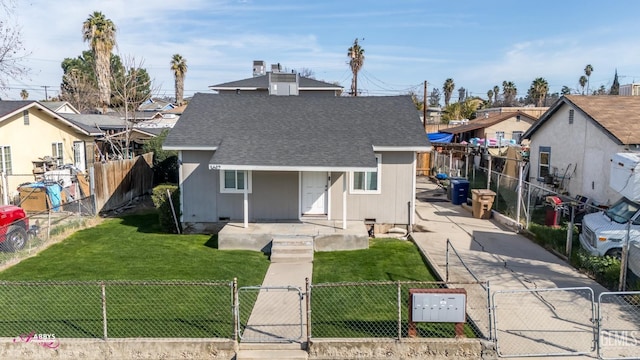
{"x":582,"y":145}
{"x":198,"y":188}
{"x":33,"y":141}
{"x":388,"y":207}
{"x":508,"y":126}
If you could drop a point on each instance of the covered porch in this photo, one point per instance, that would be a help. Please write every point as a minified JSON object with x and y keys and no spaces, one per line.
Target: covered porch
{"x":327,"y":235}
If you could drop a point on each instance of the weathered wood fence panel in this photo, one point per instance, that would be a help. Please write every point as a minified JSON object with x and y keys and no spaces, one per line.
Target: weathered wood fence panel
{"x":118,"y":182}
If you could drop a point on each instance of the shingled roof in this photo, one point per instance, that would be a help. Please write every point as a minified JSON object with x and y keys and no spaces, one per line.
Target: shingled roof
{"x":482,"y":123}
{"x":617,"y":116}
{"x":293,"y":132}
{"x":262,"y":82}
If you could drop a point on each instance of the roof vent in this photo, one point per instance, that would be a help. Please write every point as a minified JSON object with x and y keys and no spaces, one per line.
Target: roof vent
{"x":275,"y":68}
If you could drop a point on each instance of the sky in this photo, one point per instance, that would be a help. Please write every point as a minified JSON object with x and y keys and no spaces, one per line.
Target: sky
{"x":479,"y":44}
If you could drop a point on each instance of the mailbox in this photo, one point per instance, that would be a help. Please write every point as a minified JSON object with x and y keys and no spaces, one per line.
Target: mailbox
{"x":438,"y":307}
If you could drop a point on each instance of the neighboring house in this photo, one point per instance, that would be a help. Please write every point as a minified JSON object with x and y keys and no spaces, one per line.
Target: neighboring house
{"x":531,"y":110}
{"x":110,"y":134}
{"x":629,"y":90}
{"x":275,"y":158}
{"x":277,"y":82}
{"x":60,"y":107}
{"x":573,"y":143}
{"x":30,"y":131}
{"x":156,"y":105}
{"x":502,"y":127}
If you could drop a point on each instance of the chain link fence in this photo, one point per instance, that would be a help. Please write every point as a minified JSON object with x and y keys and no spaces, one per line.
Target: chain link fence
{"x":544,"y":322}
{"x":381,"y":310}
{"x":118,"y":309}
{"x":39,"y":229}
{"x":619,"y":325}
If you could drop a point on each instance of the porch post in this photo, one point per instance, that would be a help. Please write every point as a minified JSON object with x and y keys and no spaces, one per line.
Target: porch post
{"x":246,"y":201}
{"x":344,"y":200}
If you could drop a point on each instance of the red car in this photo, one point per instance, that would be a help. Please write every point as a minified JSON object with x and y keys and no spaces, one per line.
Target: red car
{"x":14,"y":227}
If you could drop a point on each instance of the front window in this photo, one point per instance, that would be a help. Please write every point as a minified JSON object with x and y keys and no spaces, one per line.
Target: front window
{"x":622,"y":211}
{"x":544,"y":161}
{"x":56,"y":152}
{"x":233,"y":181}
{"x":367,"y":181}
{"x":5,"y":160}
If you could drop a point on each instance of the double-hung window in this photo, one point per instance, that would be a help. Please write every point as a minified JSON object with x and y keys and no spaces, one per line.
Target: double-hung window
{"x":234,"y":181}
{"x":56,"y":152}
{"x":367,"y":182}
{"x":544,"y":161}
{"x":5,"y":159}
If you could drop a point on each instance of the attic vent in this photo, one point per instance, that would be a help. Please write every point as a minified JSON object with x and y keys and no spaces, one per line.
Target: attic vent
{"x":571,"y":116}
{"x":283,"y":77}
{"x":223,"y":218}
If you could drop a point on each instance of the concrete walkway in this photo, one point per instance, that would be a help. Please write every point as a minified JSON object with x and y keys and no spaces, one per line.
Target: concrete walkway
{"x":553,"y":322}
{"x":279,"y":313}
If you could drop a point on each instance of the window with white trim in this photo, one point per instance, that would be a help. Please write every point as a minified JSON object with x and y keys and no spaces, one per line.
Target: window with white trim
{"x":367,"y":182}
{"x":56,"y":152}
{"x":233,"y":181}
{"x":5,"y":160}
{"x":544,"y":161}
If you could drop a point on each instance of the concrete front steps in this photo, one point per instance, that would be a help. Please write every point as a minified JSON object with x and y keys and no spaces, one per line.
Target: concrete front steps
{"x":261,"y":351}
{"x":292,"y":249}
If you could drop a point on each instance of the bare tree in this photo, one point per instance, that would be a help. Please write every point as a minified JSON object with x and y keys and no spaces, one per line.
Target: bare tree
{"x":131,"y":89}
{"x":12,"y":50}
{"x":79,"y":91}
{"x":307,"y":73}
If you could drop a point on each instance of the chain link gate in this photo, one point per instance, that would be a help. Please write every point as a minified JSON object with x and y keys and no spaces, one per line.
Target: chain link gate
{"x":544,"y":322}
{"x":270,"y":313}
{"x":619,"y":325}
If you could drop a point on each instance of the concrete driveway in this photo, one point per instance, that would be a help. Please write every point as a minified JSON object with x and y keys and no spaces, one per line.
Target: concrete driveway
{"x":541,"y":322}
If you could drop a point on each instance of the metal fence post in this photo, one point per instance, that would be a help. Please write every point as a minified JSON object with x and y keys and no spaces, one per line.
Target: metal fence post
{"x":104,"y":310}
{"x":399,"y":310}
{"x":235,"y":309}
{"x":490,"y":313}
{"x":308,"y":301}
{"x":446,"y":264}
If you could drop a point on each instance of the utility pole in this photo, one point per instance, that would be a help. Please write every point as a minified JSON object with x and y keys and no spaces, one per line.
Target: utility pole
{"x":424,"y":107}
{"x":46,"y":97}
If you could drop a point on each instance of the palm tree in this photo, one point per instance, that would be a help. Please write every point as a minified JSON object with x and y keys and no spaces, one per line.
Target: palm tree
{"x":447,"y":88}
{"x":509,"y":91}
{"x":24,"y":94}
{"x":496,"y":91}
{"x":565,"y":90}
{"x":100,"y":33}
{"x":179,"y":68}
{"x":356,"y":60}
{"x":489,"y":96}
{"x":583,"y":82}
{"x":587,"y":71}
{"x":538,"y":91}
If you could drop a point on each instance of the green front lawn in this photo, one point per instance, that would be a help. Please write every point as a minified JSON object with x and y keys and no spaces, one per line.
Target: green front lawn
{"x":130,"y":248}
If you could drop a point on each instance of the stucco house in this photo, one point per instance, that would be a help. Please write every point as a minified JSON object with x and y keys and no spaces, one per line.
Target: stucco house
{"x":30,"y":131}
{"x":505,"y":126}
{"x":292,"y":158}
{"x":572,"y":144}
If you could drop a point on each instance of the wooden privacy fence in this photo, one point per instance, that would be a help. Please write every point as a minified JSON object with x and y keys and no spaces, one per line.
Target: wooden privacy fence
{"x":118,"y":182}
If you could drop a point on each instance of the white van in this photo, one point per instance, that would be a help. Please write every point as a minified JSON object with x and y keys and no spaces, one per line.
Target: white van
{"x":604,"y":232}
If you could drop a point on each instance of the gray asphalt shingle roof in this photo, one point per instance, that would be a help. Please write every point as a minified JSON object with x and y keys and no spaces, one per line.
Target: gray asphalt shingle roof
{"x":262,"y":82}
{"x":94,"y":122}
{"x":293,"y":131}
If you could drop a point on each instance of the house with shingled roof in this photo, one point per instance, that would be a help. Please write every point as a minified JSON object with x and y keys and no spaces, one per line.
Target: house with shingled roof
{"x":505,"y":126}
{"x":574,"y":141}
{"x":294,"y":158}
{"x":277,"y":82}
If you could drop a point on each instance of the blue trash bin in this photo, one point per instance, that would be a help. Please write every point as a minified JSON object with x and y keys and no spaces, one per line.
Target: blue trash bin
{"x":459,"y":191}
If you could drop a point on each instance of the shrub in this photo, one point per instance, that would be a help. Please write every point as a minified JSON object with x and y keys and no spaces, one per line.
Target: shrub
{"x":162,"y":203}
{"x":605,"y":269}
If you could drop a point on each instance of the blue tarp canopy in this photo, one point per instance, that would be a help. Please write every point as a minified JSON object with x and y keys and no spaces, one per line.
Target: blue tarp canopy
{"x":440,"y":137}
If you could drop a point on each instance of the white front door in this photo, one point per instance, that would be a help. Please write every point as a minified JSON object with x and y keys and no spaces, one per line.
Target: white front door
{"x":79,"y":155}
{"x":314,"y":189}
